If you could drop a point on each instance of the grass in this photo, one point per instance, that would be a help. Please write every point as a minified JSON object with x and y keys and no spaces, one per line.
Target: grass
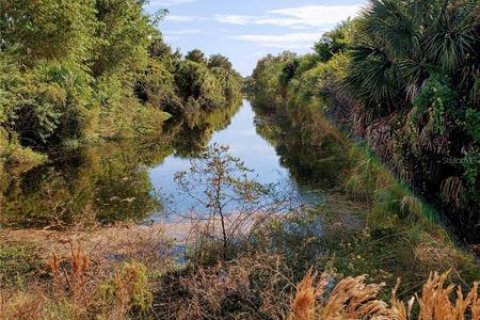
{"x":127,"y":272}
{"x":352,"y":298}
{"x":359,"y":242}
{"x":17,"y":265}
{"x":97,"y":274}
{"x":75,"y":292}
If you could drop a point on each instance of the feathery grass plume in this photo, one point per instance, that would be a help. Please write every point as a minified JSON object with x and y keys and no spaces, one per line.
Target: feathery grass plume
{"x":352,"y":298}
{"x":399,"y":310}
{"x":80,"y":263}
{"x":304,"y":302}
{"x":436,"y":301}
{"x":54,"y":265}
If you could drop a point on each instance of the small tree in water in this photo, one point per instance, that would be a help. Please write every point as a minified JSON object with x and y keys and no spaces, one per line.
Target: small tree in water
{"x":220,"y":183}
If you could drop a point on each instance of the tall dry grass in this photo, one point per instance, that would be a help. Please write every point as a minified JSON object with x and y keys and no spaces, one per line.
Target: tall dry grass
{"x":76,"y":292}
{"x":105,"y":274}
{"x":352,"y":298}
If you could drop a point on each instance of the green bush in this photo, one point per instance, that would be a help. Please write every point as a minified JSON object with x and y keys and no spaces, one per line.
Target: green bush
{"x":198,"y":86}
{"x":54,"y":102}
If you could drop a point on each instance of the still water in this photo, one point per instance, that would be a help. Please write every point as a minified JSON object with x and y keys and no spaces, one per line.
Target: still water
{"x":244,"y":143}
{"x":134,"y":180}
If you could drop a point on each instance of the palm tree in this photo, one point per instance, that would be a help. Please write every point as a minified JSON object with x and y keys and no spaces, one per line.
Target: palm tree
{"x":401,"y":43}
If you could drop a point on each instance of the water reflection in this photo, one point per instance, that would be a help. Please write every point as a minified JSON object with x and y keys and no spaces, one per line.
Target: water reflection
{"x":315,"y":153}
{"x":122,"y":180}
{"x":257,"y":153}
{"x":103,"y":182}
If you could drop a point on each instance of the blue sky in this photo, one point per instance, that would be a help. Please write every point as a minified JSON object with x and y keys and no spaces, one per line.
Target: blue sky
{"x":245,"y":30}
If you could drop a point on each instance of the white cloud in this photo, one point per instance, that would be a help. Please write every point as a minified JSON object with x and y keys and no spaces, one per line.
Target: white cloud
{"x":167,"y":3}
{"x":180,"y":18}
{"x":181,"y":32}
{"x":316,"y":15}
{"x":297,"y":17}
{"x":235,"y":19}
{"x":297,"y":40}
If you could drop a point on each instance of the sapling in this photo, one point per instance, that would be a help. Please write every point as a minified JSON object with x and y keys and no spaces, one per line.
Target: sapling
{"x":221,"y":184}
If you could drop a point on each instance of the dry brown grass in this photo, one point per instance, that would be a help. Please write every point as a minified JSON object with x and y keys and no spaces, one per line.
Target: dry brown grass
{"x":247,"y":288}
{"x":352,"y":299}
{"x":20,"y":305}
{"x":104,"y":246}
{"x":76,"y":293}
{"x":98,"y":274}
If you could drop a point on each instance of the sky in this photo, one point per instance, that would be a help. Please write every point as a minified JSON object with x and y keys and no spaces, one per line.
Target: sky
{"x":246,"y":30}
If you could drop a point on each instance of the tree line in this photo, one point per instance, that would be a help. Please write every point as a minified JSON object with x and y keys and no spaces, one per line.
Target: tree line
{"x":80,"y":70}
{"x":404,"y":76}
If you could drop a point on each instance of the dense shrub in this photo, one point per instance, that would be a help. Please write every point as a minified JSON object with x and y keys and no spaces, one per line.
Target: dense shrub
{"x":82,"y":69}
{"x":405,"y":78}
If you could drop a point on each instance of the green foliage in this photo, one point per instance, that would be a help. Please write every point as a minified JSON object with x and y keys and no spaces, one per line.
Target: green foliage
{"x":219,"y":61}
{"x":399,"y":45}
{"x":405,"y":77}
{"x":53,"y":103}
{"x":438,"y":100}
{"x":335,"y":41}
{"x":71,"y":71}
{"x":422,"y":60}
{"x":309,"y":87}
{"x":268,"y":90}
{"x":230,"y":83}
{"x":129,"y":288}
{"x":472,"y":118}
{"x":198,"y":87}
{"x":197,"y":56}
{"x":156,"y":88}
{"x":122,"y":36}
{"x":17,"y":265}
{"x":48,"y":29}
{"x":471,"y":165}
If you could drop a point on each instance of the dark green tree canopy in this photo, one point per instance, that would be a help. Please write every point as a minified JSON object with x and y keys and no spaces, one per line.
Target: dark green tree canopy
{"x":197,"y":56}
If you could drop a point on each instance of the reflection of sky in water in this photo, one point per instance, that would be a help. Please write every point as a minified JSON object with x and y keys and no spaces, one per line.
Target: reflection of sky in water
{"x":257,"y":154}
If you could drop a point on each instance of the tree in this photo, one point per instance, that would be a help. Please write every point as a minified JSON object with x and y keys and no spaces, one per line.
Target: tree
{"x":226,"y":192}
{"x":219,"y":61}
{"x":198,"y":87}
{"x":197,"y":56}
{"x":123,"y":37}
{"x":269,"y":90}
{"x":48,"y":29}
{"x":334,"y":41}
{"x":399,"y":45}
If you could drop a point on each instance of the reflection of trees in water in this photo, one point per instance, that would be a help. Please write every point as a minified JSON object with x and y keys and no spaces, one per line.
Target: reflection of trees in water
{"x":104,"y":182}
{"x":312,"y":152}
{"x":198,"y":129}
